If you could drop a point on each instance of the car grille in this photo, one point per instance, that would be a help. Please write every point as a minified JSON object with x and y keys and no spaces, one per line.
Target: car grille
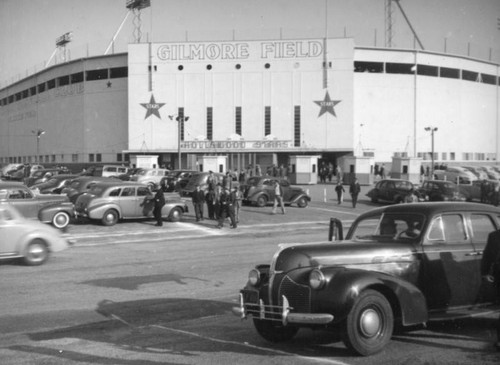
{"x":299,"y":296}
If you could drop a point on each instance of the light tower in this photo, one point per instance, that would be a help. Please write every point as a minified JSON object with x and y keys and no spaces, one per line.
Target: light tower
{"x":133,"y":6}
{"x":61,"y":43}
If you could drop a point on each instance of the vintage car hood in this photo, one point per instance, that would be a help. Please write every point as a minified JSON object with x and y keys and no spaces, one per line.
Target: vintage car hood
{"x":83,"y":201}
{"x":52,"y":198}
{"x":347,"y":253}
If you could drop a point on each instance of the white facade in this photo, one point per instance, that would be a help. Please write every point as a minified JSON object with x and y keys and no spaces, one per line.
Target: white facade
{"x":280,"y":75}
{"x":256,"y":102}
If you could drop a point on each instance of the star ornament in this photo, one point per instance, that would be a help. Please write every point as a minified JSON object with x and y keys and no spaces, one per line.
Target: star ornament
{"x":152,"y":108}
{"x":327,"y":105}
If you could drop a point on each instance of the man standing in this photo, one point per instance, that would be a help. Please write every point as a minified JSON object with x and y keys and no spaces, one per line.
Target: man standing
{"x":238,"y":198}
{"x":226,"y":208}
{"x":340,"y":192}
{"x":159,"y":201}
{"x":278,"y":197}
{"x":198,"y":199}
{"x":210,"y":199}
{"x":490,"y":269}
{"x":354,"y":190}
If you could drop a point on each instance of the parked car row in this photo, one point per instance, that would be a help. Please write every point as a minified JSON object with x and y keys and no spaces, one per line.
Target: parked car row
{"x":54,"y":200}
{"x":398,"y":190}
{"x":468,"y":174}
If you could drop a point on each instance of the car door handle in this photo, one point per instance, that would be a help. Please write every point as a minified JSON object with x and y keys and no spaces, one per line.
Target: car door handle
{"x":473,"y":254}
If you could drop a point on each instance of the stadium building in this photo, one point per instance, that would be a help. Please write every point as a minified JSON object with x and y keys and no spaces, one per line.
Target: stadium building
{"x":255,"y":102}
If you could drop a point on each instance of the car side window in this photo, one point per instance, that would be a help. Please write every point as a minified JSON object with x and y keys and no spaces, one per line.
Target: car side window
{"x":449,"y":228}
{"x":128,"y":192}
{"x":19,"y":194}
{"x":142,"y":191}
{"x":115,"y":192}
{"x":482,"y":226}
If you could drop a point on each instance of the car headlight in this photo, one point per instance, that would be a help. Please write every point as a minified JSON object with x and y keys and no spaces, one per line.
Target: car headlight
{"x":254,"y":277}
{"x":316,"y":279}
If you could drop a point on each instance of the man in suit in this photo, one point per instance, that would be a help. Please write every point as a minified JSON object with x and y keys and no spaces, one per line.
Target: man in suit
{"x":198,"y":199}
{"x":159,"y":201}
{"x":490,"y":269}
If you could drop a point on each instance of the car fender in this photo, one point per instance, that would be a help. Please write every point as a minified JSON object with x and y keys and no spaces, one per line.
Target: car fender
{"x":46,"y":213}
{"x":258,"y":194}
{"x":296,"y":198}
{"x":54,"y":241}
{"x":97,"y":211}
{"x":344,"y":286}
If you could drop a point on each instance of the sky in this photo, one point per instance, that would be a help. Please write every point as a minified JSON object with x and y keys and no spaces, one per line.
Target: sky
{"x":29,"y":28}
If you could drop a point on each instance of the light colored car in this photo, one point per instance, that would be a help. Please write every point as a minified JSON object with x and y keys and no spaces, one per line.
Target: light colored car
{"x":490,"y":172}
{"x":48,"y":208}
{"x":111,"y":201}
{"x":456,"y":174}
{"x":110,"y":170}
{"x":480,"y":174}
{"x":28,"y":240}
{"x":474,"y":190}
{"x":150,"y":177}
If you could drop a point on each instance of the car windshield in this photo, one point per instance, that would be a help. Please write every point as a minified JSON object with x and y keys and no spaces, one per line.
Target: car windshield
{"x":253,"y":181}
{"x":388,"y":227}
{"x":96,"y":190}
{"x":75,"y":184}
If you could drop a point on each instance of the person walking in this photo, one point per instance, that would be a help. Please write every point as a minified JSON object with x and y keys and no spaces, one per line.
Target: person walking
{"x":159,"y":202}
{"x":217,"y":205}
{"x":212,"y":180}
{"x":278,"y":197}
{"x":238,"y":198}
{"x":338,"y":174}
{"x":354,"y":190}
{"x":226,"y":208}
{"x":210,"y":200}
{"x":340,"y":192}
{"x":490,"y":269}
{"x":198,"y":199}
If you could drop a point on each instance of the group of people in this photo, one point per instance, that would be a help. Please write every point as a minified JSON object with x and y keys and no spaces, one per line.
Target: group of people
{"x":328,"y":171}
{"x":354,"y":190}
{"x":223,"y":200}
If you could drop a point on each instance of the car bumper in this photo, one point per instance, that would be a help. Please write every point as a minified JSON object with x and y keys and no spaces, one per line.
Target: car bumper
{"x":278,"y":313}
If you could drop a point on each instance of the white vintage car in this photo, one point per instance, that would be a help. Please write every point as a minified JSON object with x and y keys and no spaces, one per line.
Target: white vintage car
{"x":26,"y":239}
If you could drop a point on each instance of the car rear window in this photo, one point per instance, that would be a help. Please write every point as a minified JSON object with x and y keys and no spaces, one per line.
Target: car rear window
{"x":482,"y":226}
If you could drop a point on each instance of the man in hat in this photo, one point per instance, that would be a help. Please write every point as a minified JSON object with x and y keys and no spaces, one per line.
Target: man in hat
{"x":227,"y":202}
{"x":198,"y":199}
{"x":159,"y":202}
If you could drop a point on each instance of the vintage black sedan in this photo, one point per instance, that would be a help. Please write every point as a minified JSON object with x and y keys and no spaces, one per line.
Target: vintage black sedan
{"x":259,"y":190}
{"x":401,"y":265}
{"x":391,"y":191}
{"x":440,"y":190}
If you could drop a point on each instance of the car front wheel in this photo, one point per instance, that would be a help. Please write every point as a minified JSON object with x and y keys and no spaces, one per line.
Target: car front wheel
{"x":110,"y":217}
{"x":61,"y":220}
{"x":261,"y":201}
{"x":302,"y":202}
{"x":175,"y":215}
{"x":370,"y":324}
{"x":274,"y":331}
{"x":36,"y":253}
